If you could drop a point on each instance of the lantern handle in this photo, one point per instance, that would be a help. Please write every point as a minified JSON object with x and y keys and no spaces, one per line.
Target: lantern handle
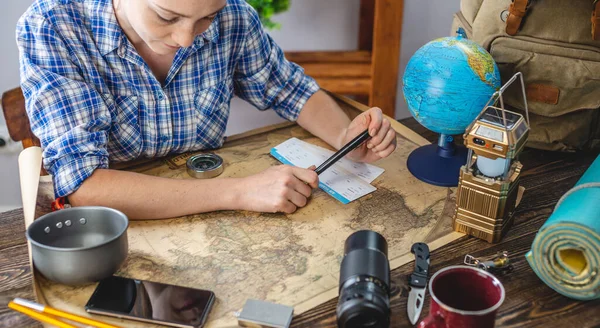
{"x":498,"y":96}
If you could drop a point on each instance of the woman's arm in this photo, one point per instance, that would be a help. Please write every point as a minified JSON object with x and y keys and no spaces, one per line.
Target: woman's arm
{"x":278,"y":189}
{"x":142,"y":196}
{"x":322,"y":117}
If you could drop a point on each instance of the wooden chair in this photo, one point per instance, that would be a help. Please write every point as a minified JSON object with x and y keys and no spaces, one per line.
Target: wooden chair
{"x":17,"y":122}
{"x":371,"y":72}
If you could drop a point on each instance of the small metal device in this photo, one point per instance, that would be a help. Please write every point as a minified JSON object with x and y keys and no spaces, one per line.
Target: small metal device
{"x":489,"y":182}
{"x":418,"y":282}
{"x":496,"y":263}
{"x":204,"y":166}
{"x":261,"y":314}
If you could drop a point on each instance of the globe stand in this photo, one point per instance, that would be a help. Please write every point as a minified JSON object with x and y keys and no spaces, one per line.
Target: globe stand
{"x":438,"y":164}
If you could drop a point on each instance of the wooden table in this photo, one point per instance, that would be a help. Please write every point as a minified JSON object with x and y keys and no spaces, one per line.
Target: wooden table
{"x":529,"y":302}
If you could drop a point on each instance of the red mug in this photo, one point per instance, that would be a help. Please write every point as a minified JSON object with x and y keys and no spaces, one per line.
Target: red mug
{"x":464,"y":297}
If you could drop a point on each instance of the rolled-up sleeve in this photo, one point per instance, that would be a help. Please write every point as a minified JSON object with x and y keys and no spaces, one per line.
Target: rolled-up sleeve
{"x":68,"y":116}
{"x":265,"y":78}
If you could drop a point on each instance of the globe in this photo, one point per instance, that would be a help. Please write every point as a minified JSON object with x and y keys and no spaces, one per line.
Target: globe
{"x":447,"y":82}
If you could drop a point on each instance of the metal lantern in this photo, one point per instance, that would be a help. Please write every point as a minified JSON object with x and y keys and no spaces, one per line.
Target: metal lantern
{"x":489,"y":182}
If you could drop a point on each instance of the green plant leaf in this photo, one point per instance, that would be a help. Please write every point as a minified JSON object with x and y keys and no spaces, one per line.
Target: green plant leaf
{"x":268,"y":8}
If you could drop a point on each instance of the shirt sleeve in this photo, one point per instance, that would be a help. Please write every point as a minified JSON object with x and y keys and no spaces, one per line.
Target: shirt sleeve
{"x":68,"y":116}
{"x":265,"y":78}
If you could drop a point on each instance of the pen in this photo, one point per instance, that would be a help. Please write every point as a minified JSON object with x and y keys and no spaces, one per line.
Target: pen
{"x":343,"y":151}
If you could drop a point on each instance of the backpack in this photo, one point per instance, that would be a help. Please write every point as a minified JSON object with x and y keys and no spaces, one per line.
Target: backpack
{"x":556,"y":45}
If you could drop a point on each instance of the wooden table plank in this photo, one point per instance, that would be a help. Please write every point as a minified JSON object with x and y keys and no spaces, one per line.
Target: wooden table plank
{"x":15,"y":273}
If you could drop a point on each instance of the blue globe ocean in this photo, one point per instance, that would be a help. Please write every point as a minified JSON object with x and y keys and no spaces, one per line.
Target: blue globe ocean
{"x":447,"y":82}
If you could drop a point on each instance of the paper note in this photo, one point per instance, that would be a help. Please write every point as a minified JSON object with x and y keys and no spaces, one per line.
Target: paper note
{"x":345,"y":180}
{"x":364,"y":171}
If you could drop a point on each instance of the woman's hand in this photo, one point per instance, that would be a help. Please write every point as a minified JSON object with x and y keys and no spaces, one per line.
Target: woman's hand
{"x":382,"y":141}
{"x":281,"y":188}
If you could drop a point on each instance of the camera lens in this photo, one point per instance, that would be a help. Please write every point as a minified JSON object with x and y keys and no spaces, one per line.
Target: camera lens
{"x":478,"y":141}
{"x":364,"y":282}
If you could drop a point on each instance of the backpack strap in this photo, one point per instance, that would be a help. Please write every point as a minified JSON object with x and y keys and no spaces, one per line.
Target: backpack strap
{"x":596,"y":21}
{"x":516,"y":12}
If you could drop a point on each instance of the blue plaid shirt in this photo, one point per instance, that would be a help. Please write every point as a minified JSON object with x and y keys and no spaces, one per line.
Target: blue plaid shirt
{"x":92,"y":99}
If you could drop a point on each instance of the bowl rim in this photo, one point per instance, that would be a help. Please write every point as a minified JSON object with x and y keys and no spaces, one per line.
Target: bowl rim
{"x":39,"y":220}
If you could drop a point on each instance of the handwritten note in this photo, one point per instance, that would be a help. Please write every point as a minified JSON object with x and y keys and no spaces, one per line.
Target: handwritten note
{"x":345,"y":180}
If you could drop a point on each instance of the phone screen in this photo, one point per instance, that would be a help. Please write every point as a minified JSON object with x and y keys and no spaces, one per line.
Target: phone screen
{"x":151,"y":302}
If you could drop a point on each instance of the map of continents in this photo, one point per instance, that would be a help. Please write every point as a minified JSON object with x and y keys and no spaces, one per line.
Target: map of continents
{"x":288,"y":259}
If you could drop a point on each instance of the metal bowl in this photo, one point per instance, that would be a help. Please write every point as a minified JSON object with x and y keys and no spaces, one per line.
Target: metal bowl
{"x":79,"y":245}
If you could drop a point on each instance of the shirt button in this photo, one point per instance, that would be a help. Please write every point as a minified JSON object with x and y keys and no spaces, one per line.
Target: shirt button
{"x":161,"y":96}
{"x":164,"y":138}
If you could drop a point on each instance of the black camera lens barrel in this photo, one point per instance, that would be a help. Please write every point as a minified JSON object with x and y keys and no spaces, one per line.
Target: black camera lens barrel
{"x":365,"y":254}
{"x":366,"y":239}
{"x":364,"y":282}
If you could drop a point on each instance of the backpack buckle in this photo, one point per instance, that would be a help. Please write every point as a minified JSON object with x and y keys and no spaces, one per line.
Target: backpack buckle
{"x":516,"y":12}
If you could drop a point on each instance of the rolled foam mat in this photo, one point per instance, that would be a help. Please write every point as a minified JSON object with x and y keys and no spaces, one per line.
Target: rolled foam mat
{"x":565,"y":253}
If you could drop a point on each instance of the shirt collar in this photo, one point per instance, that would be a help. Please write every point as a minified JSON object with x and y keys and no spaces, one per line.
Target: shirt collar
{"x":211,"y":34}
{"x":105,"y":28}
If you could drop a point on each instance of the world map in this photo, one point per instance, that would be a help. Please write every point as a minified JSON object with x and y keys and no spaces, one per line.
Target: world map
{"x":288,"y":259}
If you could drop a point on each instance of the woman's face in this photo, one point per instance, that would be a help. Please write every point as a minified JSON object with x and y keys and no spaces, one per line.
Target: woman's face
{"x":166,"y":25}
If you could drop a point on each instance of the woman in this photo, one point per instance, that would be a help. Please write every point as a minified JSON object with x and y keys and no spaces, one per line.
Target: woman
{"x":115,"y":80}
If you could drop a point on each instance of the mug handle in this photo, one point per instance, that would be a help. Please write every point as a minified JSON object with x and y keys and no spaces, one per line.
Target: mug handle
{"x":433,"y":320}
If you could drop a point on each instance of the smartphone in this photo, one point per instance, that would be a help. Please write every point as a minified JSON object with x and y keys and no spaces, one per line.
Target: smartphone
{"x":152,"y":302}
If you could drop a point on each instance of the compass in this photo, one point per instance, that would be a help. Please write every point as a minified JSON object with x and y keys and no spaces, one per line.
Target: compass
{"x":204,"y":166}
